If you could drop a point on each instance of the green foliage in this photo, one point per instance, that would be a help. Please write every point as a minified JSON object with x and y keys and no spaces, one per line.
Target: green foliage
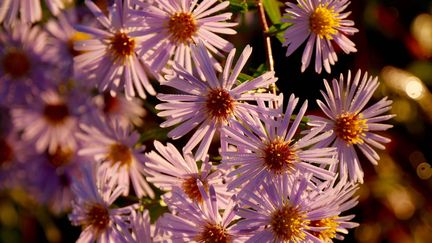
{"x":241,"y":6}
{"x":272,"y":8}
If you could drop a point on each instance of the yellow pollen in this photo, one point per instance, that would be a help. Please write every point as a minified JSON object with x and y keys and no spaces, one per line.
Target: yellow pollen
{"x":16,"y":63}
{"x":219,"y":104}
{"x":190,"y":188}
{"x":56,"y":114}
{"x":61,"y":157}
{"x":120,"y":153}
{"x":350,"y":127}
{"x":182,"y":26}
{"x":326,"y":235}
{"x":289,"y":223}
{"x":97,"y":217}
{"x":78,"y":36}
{"x":279,"y":157}
{"x":122,"y":46}
{"x":323,"y":22}
{"x":214,"y":233}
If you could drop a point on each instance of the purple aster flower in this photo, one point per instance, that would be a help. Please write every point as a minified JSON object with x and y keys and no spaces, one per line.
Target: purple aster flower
{"x":273,"y":148}
{"x":342,"y":197}
{"x":175,"y":26}
{"x":353,"y":123}
{"x":115,"y":148}
{"x":141,"y":231}
{"x":63,"y":31}
{"x":26,"y":58}
{"x":110,"y":57}
{"x":94,"y":193}
{"x":199,"y":222}
{"x":323,"y":24}
{"x":125,"y":111}
{"x":30,"y":10}
{"x":50,"y":120}
{"x":282,"y":211}
{"x":171,"y":169}
{"x":55,"y":174}
{"x":210,"y":102}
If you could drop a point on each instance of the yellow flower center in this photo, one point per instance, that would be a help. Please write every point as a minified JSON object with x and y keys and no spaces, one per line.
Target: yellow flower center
{"x":182,"y":27}
{"x":98,"y":217}
{"x":219,"y":104}
{"x":350,"y":127}
{"x":16,"y":63}
{"x":56,"y":114}
{"x":326,"y":235}
{"x":323,"y":22}
{"x":288,"y":224}
{"x":120,"y":153}
{"x":279,"y":157}
{"x":190,"y":188}
{"x":214,"y":233}
{"x":122,"y":46}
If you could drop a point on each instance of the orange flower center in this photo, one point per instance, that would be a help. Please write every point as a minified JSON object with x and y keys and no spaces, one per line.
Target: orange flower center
{"x":56,"y":113}
{"x":350,"y":127}
{"x":279,"y":157}
{"x":98,"y":217}
{"x":288,"y":224}
{"x":120,"y":153}
{"x":190,"y":188}
{"x":122,"y":46}
{"x":219,"y":104}
{"x":6,"y":152}
{"x":16,"y":63}
{"x":182,"y":26}
{"x":214,"y":233}
{"x":111,"y":104}
{"x":61,"y":157}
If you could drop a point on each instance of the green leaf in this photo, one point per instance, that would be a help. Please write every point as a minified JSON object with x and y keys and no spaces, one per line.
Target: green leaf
{"x":272,"y":9}
{"x":156,"y":133}
{"x":244,"y":77}
{"x":238,"y":6}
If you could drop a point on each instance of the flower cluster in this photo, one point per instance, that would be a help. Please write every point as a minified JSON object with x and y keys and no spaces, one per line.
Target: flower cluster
{"x":250,"y":169}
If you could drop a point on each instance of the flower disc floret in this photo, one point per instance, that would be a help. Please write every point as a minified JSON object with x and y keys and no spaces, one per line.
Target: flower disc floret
{"x":98,"y":217}
{"x":350,"y":127}
{"x":279,"y":157}
{"x":214,"y":233}
{"x":6,"y":152}
{"x":330,"y":230}
{"x":323,"y":22}
{"x":16,"y":63}
{"x":288,"y":224}
{"x":182,"y":26}
{"x":56,"y":114}
{"x":219,"y":104}
{"x":121,"y":45}
{"x":120,"y":153}
{"x":61,"y":157}
{"x":190,"y":187}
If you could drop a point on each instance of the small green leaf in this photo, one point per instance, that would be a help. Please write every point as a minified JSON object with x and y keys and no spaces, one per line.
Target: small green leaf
{"x":156,"y":133}
{"x":272,"y":9}
{"x":238,"y":6}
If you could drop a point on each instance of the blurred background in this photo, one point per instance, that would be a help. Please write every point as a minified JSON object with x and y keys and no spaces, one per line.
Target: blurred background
{"x":394,"y":42}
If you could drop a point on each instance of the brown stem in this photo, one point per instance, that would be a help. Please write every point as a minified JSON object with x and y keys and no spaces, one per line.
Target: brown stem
{"x":267,"y":41}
